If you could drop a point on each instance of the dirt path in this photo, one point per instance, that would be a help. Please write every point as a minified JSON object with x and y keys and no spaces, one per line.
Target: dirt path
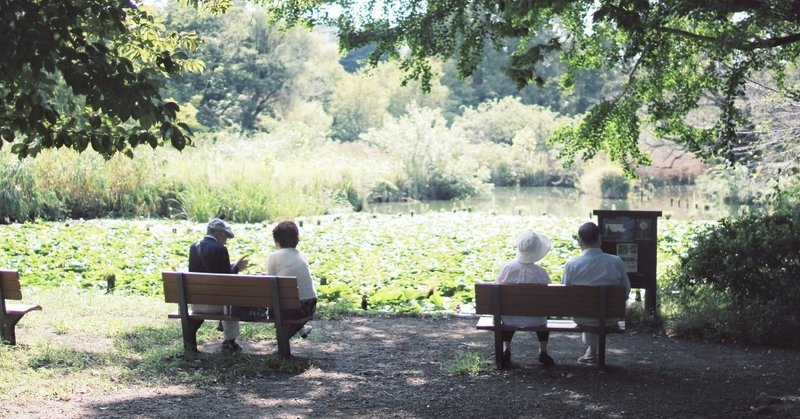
{"x":392,"y":367}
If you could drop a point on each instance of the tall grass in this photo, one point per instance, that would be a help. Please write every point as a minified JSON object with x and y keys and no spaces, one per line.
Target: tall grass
{"x":241,"y":179}
{"x":265,"y":177}
{"x":20,"y":196}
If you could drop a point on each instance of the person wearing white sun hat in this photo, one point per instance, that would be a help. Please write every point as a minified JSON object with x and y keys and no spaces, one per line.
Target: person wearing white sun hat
{"x":531,"y":248}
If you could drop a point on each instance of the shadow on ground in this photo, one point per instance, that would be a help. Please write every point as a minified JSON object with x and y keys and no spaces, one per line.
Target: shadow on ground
{"x":393,"y":367}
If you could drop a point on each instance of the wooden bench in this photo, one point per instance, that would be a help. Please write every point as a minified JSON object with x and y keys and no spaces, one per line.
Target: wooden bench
{"x":267,"y":291}
{"x":10,"y":314}
{"x":553,"y":300}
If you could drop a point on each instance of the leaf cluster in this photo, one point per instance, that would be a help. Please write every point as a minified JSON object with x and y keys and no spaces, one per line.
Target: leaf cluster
{"x":678,"y":55}
{"x":88,"y":73}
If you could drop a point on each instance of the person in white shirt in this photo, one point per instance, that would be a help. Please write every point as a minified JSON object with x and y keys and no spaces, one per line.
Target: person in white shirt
{"x":594,"y":268}
{"x":531,"y":248}
{"x":288,"y":261}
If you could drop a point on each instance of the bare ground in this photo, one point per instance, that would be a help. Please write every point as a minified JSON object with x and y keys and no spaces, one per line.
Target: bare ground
{"x":392,"y":367}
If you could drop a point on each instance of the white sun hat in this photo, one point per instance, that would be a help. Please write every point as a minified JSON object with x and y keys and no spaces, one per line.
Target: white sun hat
{"x":532,"y":247}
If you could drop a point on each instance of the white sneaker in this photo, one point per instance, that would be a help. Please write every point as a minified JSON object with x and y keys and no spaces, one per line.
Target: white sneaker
{"x":304,"y":331}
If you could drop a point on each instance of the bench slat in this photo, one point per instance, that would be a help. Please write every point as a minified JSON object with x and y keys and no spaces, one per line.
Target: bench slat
{"x":215,"y":289}
{"x":487,"y":323}
{"x":204,"y":316}
{"x":9,"y":281}
{"x":549,"y":300}
{"x":558,"y":307}
{"x":21,"y":309}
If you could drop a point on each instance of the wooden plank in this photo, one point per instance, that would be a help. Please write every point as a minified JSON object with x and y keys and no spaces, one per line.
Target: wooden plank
{"x":539,"y":308}
{"x":486,"y":323}
{"x":9,"y":281}
{"x":550,"y":289}
{"x":231,"y":289}
{"x":225,"y":289}
{"x":203,"y":316}
{"x":21,"y":309}
{"x":483,"y":292}
{"x":285,"y":282}
{"x":552,"y":300}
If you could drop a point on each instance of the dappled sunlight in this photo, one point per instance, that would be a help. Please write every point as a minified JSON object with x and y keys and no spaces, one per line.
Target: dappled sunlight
{"x":416,"y":382}
{"x":344,"y":370}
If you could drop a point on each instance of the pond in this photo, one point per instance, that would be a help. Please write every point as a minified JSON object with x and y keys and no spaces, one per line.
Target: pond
{"x":676,"y":202}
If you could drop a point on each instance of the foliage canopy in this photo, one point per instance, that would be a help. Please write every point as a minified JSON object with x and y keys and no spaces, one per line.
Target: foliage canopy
{"x":678,"y":55}
{"x":88,"y":72}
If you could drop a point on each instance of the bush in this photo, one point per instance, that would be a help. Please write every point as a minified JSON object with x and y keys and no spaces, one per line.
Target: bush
{"x":740,"y":280}
{"x":731,"y":184}
{"x":603,"y":178}
{"x":785,"y":193}
{"x":614,"y":186}
{"x":433,"y":160}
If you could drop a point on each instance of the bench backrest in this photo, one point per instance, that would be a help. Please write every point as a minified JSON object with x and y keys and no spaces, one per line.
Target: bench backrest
{"x":9,"y":285}
{"x":231,"y":290}
{"x":550,"y":300}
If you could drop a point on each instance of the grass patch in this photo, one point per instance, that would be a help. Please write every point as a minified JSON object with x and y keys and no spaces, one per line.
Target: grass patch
{"x":468,"y":363}
{"x":88,"y":342}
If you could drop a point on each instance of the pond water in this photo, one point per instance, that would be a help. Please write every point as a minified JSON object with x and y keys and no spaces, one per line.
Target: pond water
{"x":676,"y":202}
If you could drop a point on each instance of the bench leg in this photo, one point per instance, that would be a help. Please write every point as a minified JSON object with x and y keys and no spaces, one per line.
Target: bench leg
{"x":8,"y":332}
{"x":190,"y":335}
{"x":601,"y":350}
{"x":498,"y":347}
{"x":282,"y":334}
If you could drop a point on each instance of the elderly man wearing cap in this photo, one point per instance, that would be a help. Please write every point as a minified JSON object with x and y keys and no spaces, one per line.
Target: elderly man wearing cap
{"x":594,"y":268}
{"x":531,"y":247}
{"x":210,"y":255}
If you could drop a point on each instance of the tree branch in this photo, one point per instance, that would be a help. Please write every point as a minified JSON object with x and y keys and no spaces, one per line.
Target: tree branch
{"x":747,"y":46}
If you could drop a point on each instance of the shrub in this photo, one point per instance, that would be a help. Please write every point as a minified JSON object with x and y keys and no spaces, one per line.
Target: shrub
{"x":433,"y":161}
{"x":604,"y":178}
{"x":785,"y":193}
{"x":533,"y":176}
{"x":740,"y":280}
{"x":614,"y":186}
{"x":731,"y":184}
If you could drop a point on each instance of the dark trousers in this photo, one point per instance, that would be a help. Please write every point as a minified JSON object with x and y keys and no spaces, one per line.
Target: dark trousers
{"x":307,"y":309}
{"x":508,"y":334}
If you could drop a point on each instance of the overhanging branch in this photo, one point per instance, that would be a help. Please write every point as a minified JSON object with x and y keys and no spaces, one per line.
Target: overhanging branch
{"x":746,"y":46}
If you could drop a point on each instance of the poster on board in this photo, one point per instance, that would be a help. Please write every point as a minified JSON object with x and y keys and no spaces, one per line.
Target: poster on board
{"x":629,"y":253}
{"x":644,"y":229}
{"x":618,"y":229}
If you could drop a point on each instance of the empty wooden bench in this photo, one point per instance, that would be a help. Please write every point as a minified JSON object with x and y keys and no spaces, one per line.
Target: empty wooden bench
{"x":267,"y":291}
{"x":10,"y":314}
{"x":552,"y":300}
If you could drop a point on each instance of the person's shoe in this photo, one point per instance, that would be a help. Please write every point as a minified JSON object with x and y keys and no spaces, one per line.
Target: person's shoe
{"x":544,"y":358}
{"x":587,"y":359}
{"x":305,"y":331}
{"x":231,"y":346}
{"x":219,"y":326}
